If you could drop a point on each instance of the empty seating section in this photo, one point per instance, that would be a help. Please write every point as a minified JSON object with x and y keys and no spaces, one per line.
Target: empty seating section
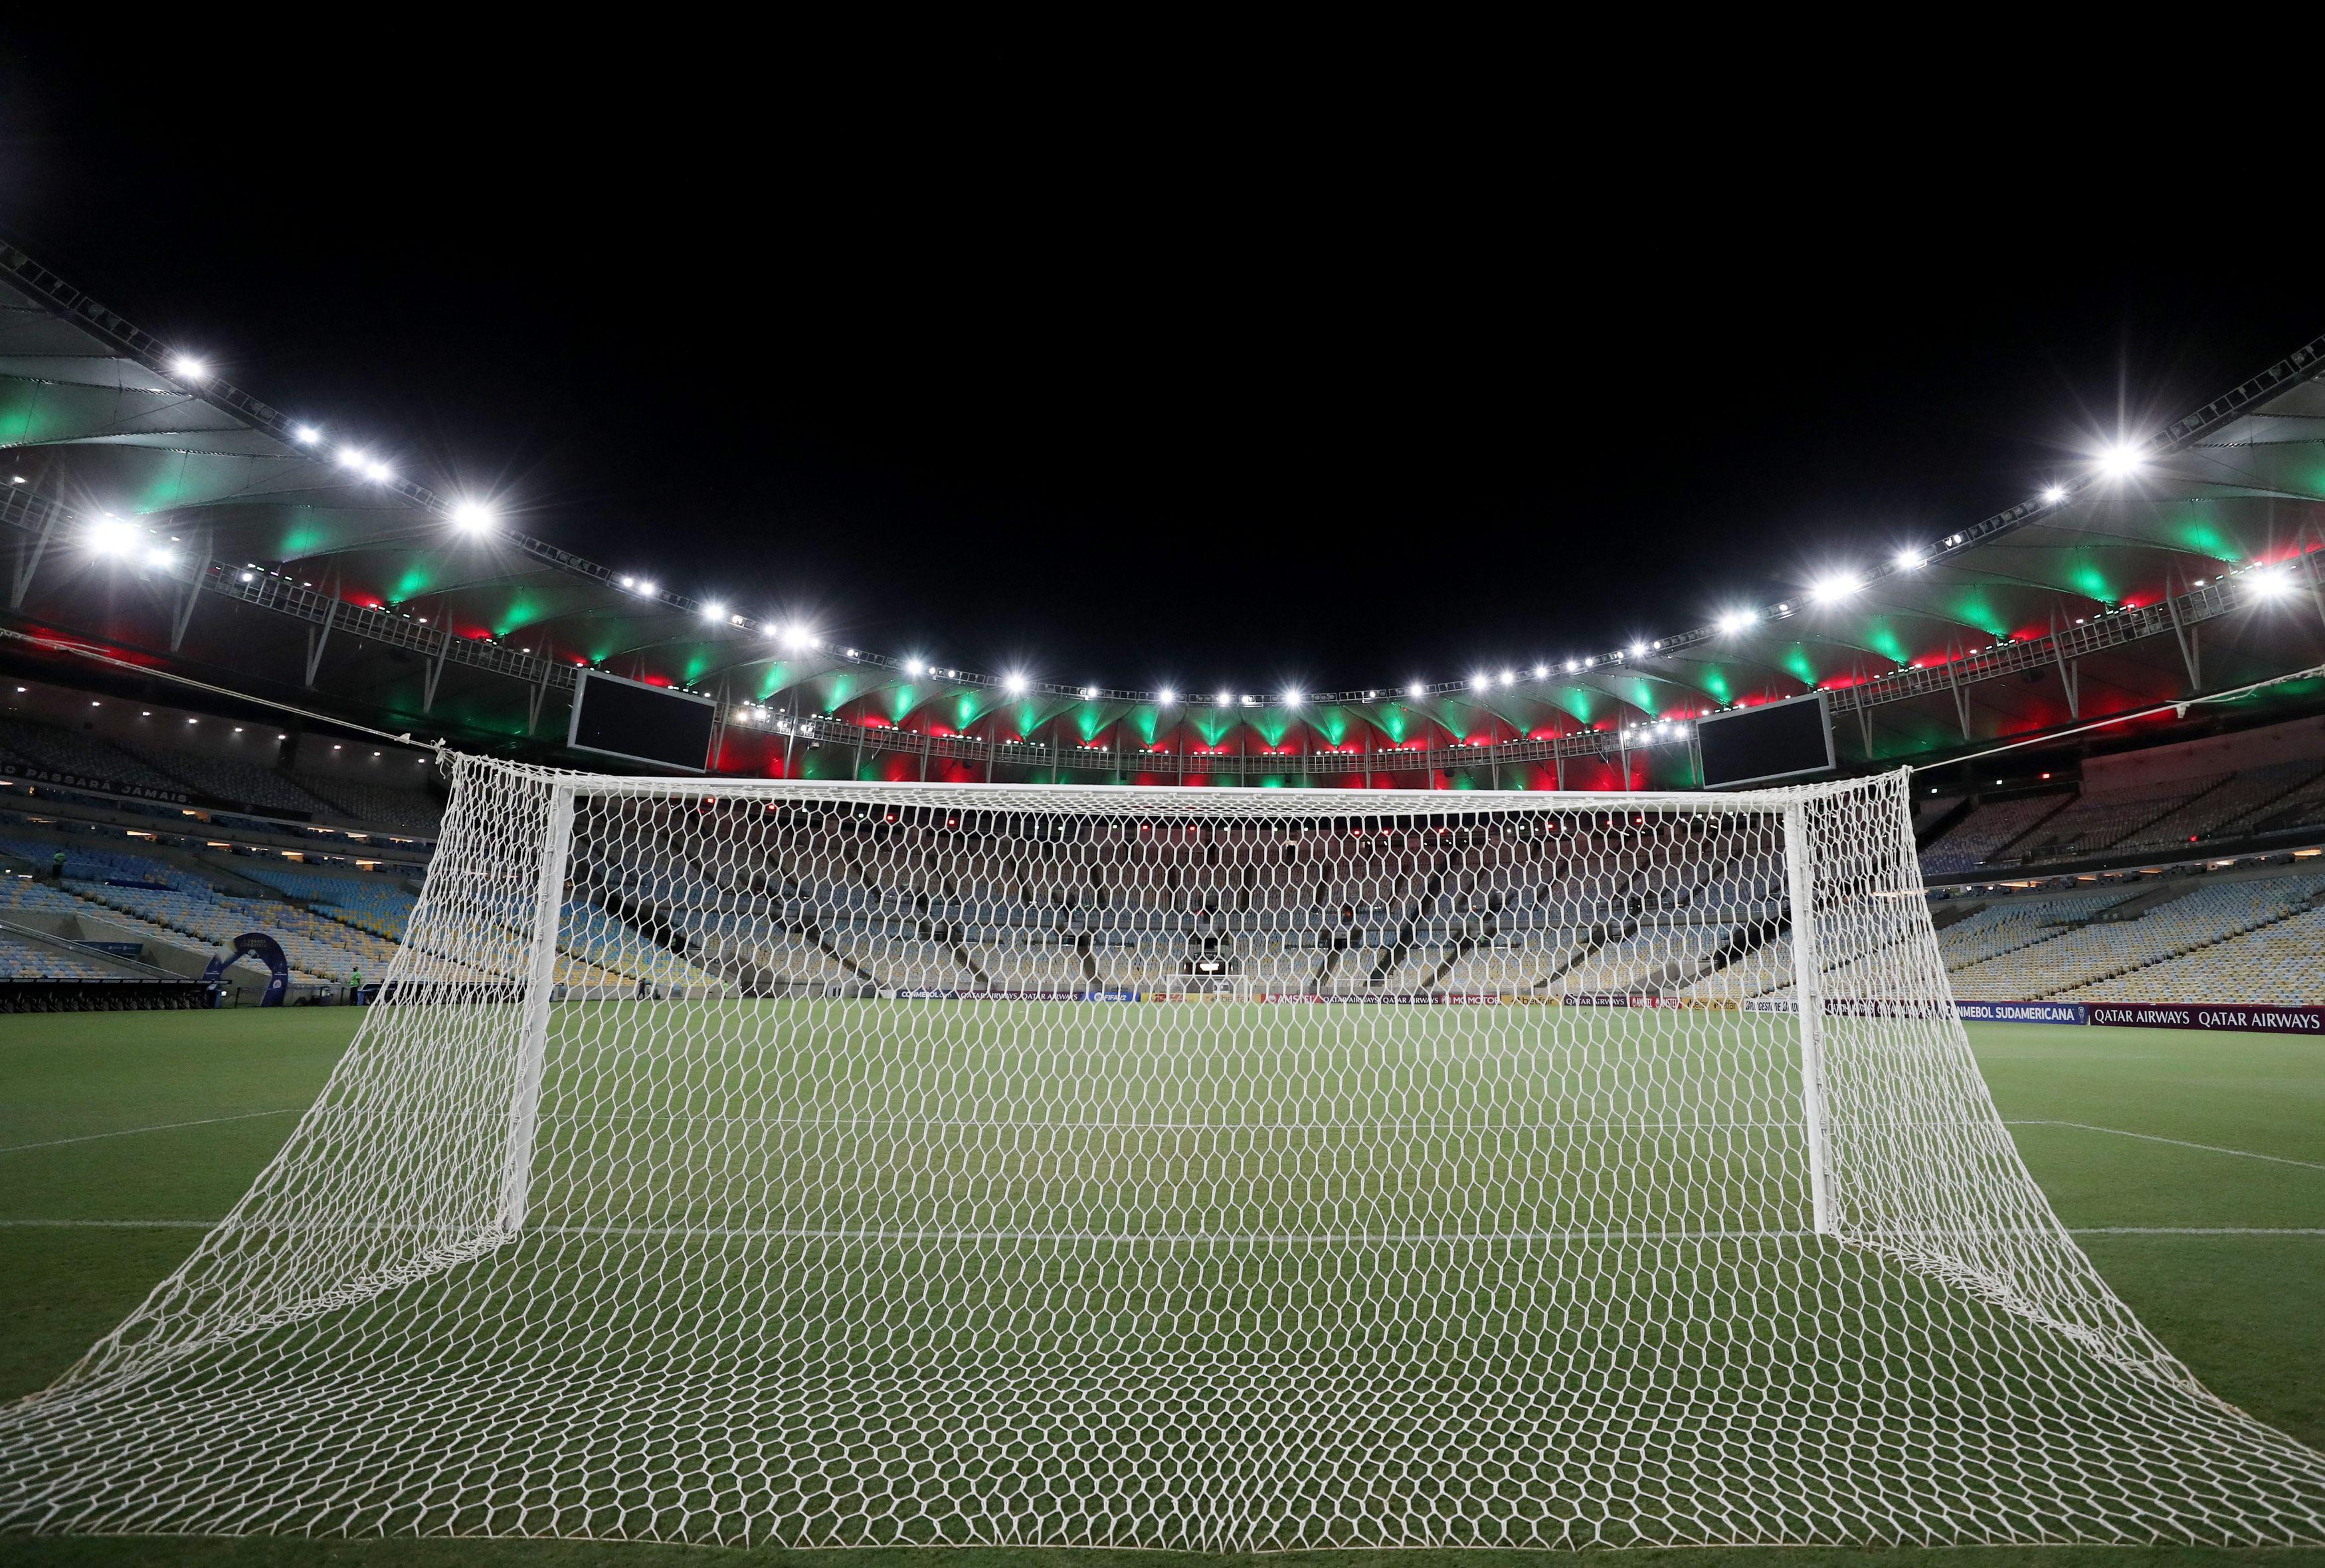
{"x":232,"y":779}
{"x":2099,"y":818}
{"x":1968,"y":842}
{"x":25,"y":960}
{"x":69,"y":752}
{"x":2281,"y":964}
{"x":2039,"y":946}
{"x":86,"y":860}
{"x":2220,"y":810}
{"x":317,"y":949}
{"x":400,"y":810}
{"x":2305,"y":807}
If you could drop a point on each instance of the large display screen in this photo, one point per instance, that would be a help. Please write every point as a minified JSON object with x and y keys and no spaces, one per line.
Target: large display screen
{"x":1781,"y":740}
{"x":643,"y":723}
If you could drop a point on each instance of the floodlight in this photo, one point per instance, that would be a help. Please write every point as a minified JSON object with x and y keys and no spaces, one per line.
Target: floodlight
{"x":1638,"y":651}
{"x":350,"y":458}
{"x":2054,"y":493}
{"x":1166,"y":697}
{"x":1416,"y":689}
{"x":1292,"y":699}
{"x":713,"y":611}
{"x":472,"y":516}
{"x":108,"y":535}
{"x":1834,"y":588}
{"x":1909,"y":560}
{"x":1736,"y":620}
{"x":2122,"y":459}
{"x":190,"y":368}
{"x":305,"y":435}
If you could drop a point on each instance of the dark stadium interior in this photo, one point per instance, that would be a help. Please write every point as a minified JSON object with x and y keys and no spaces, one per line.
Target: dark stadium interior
{"x":1600,"y":774}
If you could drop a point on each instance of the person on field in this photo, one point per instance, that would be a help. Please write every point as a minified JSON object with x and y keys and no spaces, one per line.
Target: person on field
{"x":57,"y":868}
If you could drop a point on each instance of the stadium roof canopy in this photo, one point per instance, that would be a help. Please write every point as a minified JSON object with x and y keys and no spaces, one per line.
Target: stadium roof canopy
{"x":140,"y":483}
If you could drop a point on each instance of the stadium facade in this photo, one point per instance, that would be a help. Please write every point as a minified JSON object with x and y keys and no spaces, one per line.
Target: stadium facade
{"x":171,"y":520}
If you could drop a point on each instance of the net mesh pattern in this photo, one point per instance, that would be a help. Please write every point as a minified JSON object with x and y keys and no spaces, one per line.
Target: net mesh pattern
{"x":840,"y":1164}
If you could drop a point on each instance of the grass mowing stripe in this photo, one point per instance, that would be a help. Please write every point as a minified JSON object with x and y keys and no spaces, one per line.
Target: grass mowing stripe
{"x":2175,"y":1142}
{"x":157,"y":1127}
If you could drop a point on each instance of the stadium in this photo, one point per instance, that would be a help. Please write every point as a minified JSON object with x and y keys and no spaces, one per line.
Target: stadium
{"x":624,"y":1069}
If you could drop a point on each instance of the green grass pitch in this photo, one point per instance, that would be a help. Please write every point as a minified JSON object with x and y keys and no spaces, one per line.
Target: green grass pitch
{"x":2193,"y":1166}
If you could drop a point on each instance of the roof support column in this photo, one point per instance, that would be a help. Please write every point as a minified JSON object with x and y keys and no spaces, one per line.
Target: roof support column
{"x":185,"y":614}
{"x":1953,"y":679}
{"x":540,"y":689}
{"x":435,"y":671}
{"x":2191,"y":654}
{"x":2309,"y":560}
{"x":319,"y":637}
{"x":791,"y":735}
{"x":1558,"y":760}
{"x":2069,"y":672}
{"x":28,"y":558}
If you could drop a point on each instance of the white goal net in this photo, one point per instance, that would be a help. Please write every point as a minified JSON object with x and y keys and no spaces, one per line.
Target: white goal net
{"x":830,"y":1165}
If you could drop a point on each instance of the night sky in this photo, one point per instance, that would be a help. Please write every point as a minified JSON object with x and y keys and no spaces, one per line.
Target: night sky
{"x":1332,"y":361}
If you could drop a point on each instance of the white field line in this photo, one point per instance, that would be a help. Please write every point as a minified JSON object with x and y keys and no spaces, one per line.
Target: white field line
{"x":157,"y":1127}
{"x":2176,"y":1142}
{"x":717,"y":1231}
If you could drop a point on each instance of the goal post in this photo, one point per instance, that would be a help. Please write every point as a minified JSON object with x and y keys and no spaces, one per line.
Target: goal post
{"x":794,"y":1164}
{"x":1809,"y":1002}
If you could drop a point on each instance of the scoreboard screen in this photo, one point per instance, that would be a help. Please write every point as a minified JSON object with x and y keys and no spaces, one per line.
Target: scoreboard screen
{"x":1781,"y":740}
{"x":640,"y":723}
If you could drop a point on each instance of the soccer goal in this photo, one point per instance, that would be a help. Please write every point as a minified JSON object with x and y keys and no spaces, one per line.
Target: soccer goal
{"x":846,"y":1164}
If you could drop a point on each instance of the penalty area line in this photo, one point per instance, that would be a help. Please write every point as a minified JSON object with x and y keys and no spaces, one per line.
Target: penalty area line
{"x":2175,"y":1142}
{"x":157,"y":1127}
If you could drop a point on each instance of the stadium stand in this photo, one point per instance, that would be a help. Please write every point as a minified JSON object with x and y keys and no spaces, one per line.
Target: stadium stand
{"x":1969,"y":842}
{"x":64,"y":752}
{"x":2099,"y":819}
{"x":2214,"y":812}
{"x":372,"y":805}
{"x":231,"y":778}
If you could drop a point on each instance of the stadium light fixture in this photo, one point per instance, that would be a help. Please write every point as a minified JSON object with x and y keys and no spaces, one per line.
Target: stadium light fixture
{"x":108,"y":535}
{"x":1416,"y":690}
{"x":191,"y":367}
{"x":1831,"y":590}
{"x":2122,"y":459}
{"x":351,"y":458}
{"x":472,"y":516}
{"x":1573,"y":666}
{"x":378,"y":473}
{"x":797,"y":636}
{"x":2053,"y":494}
{"x":1292,"y":699}
{"x":1909,"y":560}
{"x":1165,"y":698}
{"x":161,"y":556}
{"x":2270,"y":583}
{"x":714,"y":611}
{"x":305,"y":435}
{"x":1089,"y":693}
{"x":1736,"y":621}
{"x":1638,"y":651}
{"x":645,"y":586}
{"x":1227,"y":699}
{"x":1509,"y":677}
{"x":1540,"y":671}
{"x":1481,"y":681}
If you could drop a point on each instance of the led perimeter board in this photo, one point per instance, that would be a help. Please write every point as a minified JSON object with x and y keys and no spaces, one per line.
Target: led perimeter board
{"x":1778,"y":741}
{"x":644,"y":723}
